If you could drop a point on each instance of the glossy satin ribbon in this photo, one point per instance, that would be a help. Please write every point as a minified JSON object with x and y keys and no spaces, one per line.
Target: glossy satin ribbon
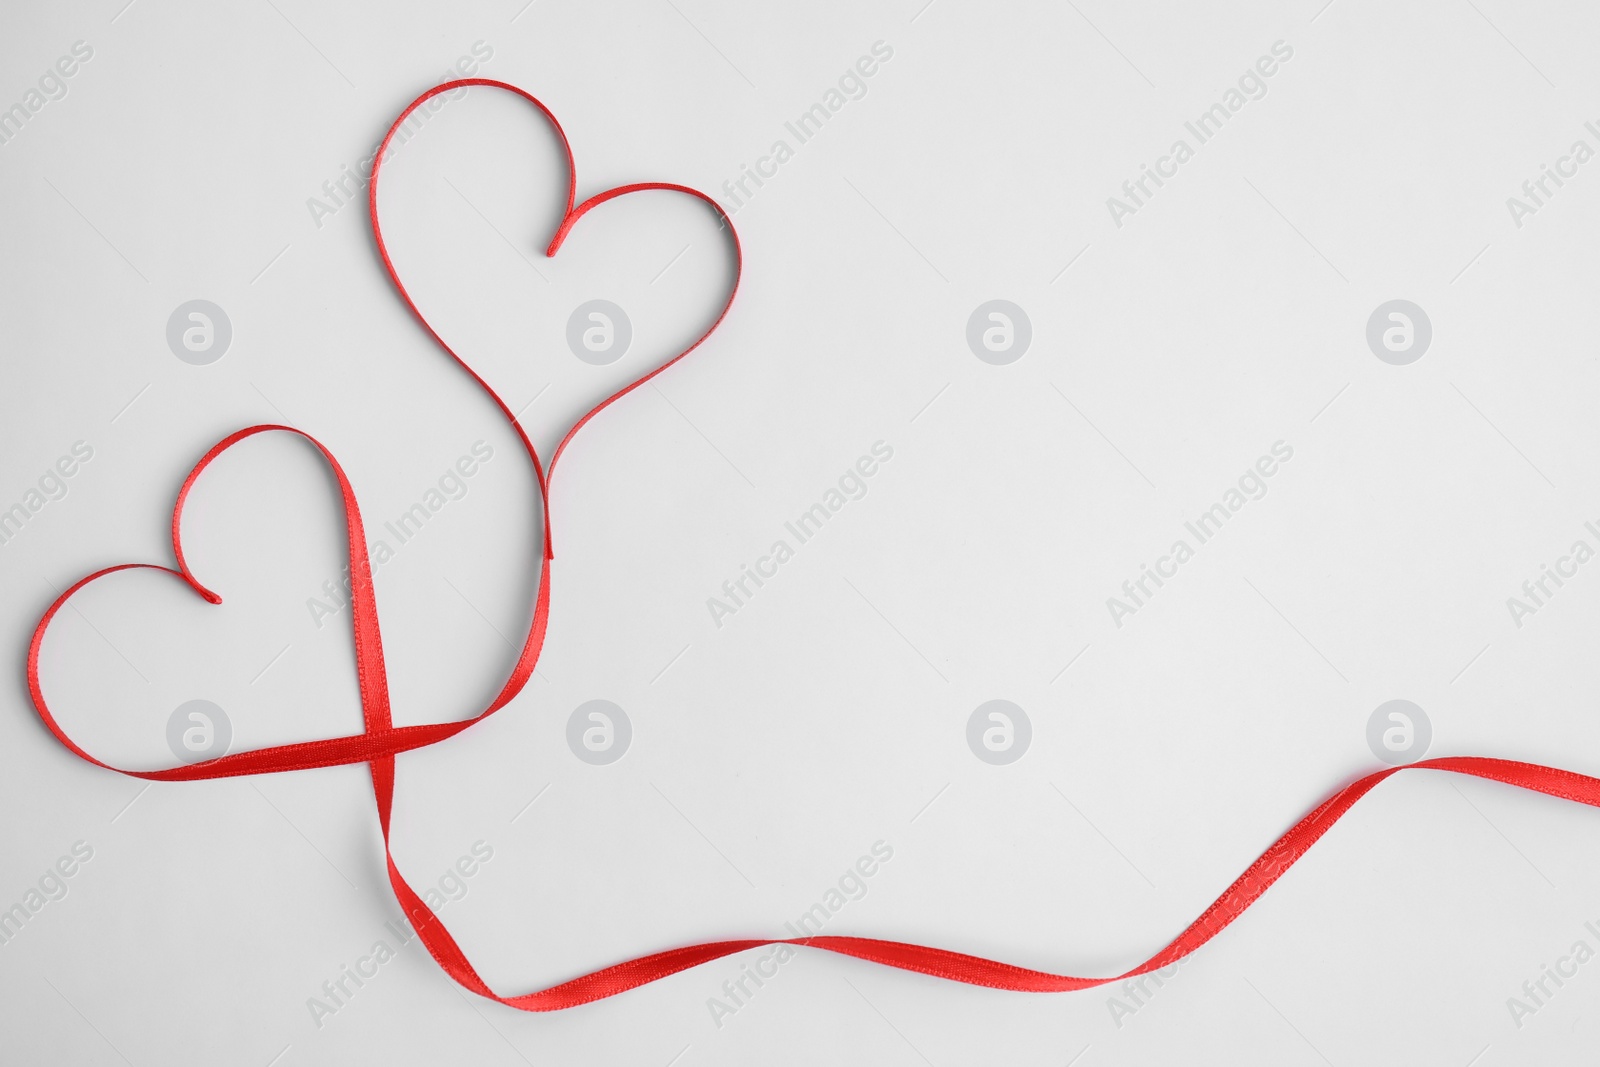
{"x":381,"y":740}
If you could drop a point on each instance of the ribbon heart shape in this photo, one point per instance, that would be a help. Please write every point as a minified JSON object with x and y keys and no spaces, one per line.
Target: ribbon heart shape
{"x":380,"y":740}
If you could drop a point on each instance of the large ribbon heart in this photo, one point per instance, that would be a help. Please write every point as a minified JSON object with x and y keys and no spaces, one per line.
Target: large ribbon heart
{"x":380,"y":741}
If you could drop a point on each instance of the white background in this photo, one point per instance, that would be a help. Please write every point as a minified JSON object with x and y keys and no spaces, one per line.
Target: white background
{"x":1227,"y":314}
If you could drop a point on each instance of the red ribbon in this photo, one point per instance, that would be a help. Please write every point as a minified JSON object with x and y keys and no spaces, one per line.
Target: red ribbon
{"x":378,"y":743}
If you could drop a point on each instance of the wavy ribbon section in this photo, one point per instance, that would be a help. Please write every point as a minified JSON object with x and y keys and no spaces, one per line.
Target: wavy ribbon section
{"x":380,"y":740}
